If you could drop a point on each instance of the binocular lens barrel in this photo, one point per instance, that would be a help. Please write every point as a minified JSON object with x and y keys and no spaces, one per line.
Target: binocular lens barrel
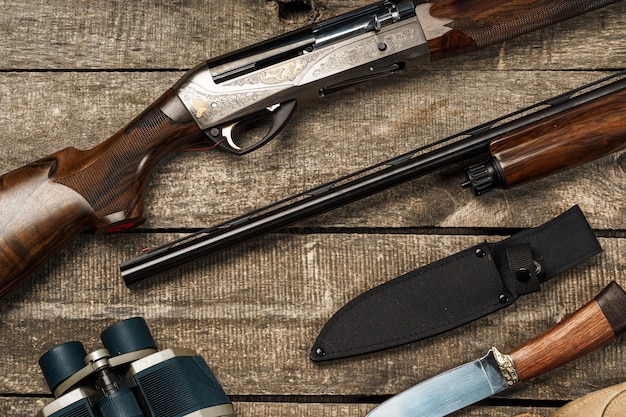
{"x":61,"y":362}
{"x":130,"y":378}
{"x":126,"y":336}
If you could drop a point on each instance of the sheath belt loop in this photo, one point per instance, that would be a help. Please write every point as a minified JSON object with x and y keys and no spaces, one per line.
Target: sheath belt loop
{"x":545,"y":251}
{"x":524,"y":269}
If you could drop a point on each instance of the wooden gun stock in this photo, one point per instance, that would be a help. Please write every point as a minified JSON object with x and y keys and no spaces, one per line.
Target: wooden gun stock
{"x":45,"y":204}
{"x":474,"y":24}
{"x":533,"y":152}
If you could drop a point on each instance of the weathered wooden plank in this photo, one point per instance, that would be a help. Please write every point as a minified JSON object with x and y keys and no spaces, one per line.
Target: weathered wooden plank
{"x":19,"y":407}
{"x":75,"y":34}
{"x":254,"y":312}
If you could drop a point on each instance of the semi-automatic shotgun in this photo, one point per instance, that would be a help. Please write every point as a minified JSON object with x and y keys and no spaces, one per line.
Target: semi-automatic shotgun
{"x":45,"y":204}
{"x":565,"y":131}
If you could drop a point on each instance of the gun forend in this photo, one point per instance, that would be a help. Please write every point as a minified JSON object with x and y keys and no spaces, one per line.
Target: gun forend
{"x":565,"y":140}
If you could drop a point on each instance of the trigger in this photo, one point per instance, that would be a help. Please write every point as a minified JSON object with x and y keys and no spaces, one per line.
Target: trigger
{"x":227,"y":133}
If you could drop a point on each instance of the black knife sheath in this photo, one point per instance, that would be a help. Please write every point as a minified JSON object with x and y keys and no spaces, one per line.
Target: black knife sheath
{"x":457,"y":289}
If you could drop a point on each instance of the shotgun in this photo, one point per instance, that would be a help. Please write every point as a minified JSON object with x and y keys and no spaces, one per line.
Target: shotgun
{"x":48,"y":202}
{"x":565,"y":131}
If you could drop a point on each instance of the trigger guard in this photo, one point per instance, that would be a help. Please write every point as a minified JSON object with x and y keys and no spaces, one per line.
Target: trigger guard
{"x":280,"y":116}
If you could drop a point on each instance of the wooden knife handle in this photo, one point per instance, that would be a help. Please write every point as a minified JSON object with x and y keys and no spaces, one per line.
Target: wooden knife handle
{"x":459,"y":26}
{"x":595,"y":324}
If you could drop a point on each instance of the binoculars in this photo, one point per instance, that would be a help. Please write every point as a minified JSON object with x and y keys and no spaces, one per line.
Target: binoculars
{"x":130,"y":378}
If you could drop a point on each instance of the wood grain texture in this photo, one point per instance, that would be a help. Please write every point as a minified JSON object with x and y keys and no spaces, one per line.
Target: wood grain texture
{"x":581,"y":332}
{"x":475,"y":24}
{"x":73,"y":73}
{"x":255,"y":325}
{"x":566,"y":140}
{"x":27,"y":406}
{"x":48,"y":202}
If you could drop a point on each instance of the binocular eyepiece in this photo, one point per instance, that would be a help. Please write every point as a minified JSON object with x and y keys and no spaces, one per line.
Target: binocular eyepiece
{"x":130,"y":378}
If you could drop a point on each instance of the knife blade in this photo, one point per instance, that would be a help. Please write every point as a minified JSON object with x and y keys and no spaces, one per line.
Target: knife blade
{"x":596,"y":323}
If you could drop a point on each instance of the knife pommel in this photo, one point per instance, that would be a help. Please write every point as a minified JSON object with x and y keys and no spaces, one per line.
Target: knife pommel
{"x":474,"y":24}
{"x":612,"y":301}
{"x":593,"y":325}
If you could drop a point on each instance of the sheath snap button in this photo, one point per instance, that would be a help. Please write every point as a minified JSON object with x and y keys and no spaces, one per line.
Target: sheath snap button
{"x":523,"y":275}
{"x":480,"y":253}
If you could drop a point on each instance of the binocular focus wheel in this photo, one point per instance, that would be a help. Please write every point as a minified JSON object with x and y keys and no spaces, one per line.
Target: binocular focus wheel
{"x":61,"y":362}
{"x":126,"y":336}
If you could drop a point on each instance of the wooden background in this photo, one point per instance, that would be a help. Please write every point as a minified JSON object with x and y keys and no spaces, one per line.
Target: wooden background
{"x":72,"y":72}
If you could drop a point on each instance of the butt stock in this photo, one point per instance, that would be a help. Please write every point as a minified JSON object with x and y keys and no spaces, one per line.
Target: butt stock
{"x":45,"y":204}
{"x":460,"y":26}
{"x":559,"y":133}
